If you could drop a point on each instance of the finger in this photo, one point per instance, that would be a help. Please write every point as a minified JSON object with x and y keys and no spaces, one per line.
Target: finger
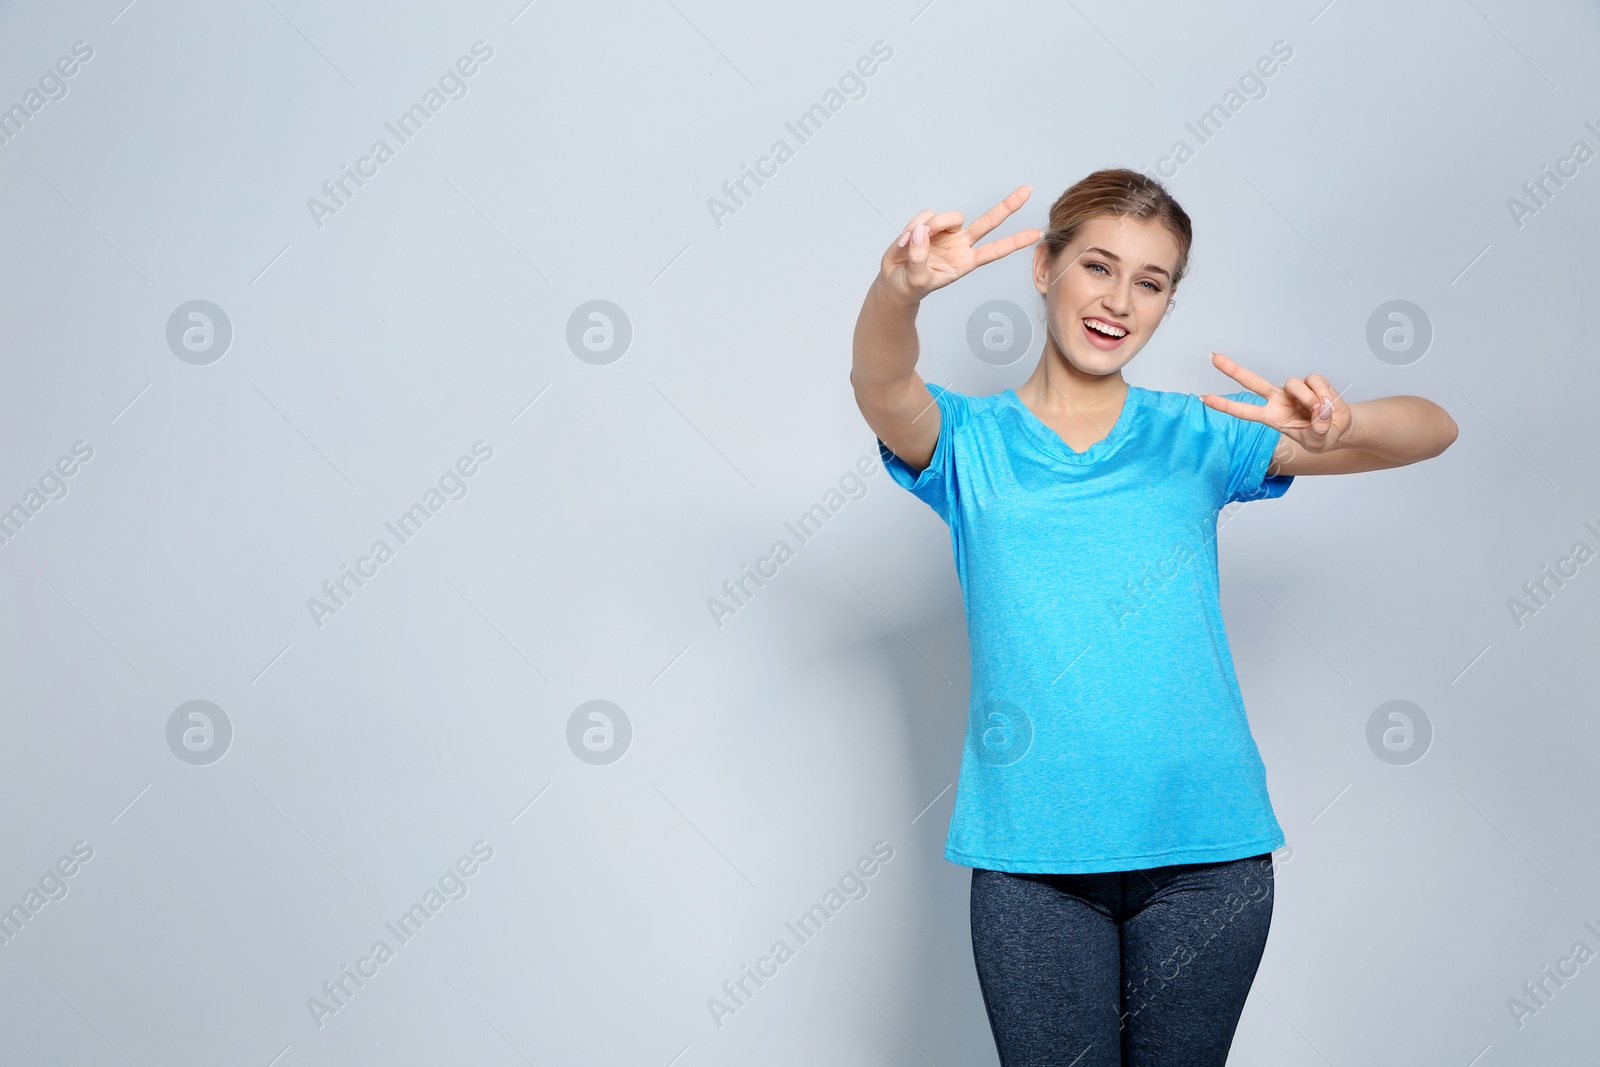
{"x":1320,"y":420}
{"x":1004,"y":246}
{"x":1323,"y":388}
{"x":1303,"y":396}
{"x":998,"y":214}
{"x":1238,"y":408}
{"x":1311,"y":403}
{"x":1249,"y":379}
{"x":917,"y":254}
{"x":944,"y":221}
{"x":905,"y":235}
{"x":1327,"y":401}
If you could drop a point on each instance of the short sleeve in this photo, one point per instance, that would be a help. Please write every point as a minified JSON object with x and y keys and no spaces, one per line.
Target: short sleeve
{"x":936,"y":484}
{"x":1250,"y":448}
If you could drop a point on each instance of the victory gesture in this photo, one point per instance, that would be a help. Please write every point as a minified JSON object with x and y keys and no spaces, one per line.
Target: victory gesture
{"x":934,"y":250}
{"x":1306,"y":410}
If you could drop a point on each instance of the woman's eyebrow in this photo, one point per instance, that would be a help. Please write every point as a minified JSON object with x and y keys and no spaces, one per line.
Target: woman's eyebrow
{"x":1113,"y":257}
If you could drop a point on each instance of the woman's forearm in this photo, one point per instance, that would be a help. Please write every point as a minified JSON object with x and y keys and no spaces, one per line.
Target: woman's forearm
{"x":1405,"y":429}
{"x":885,"y":348}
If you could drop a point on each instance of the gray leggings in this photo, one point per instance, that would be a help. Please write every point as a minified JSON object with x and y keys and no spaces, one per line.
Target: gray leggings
{"x":1145,"y":968}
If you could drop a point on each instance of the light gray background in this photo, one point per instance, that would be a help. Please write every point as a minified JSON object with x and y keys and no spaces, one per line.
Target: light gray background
{"x":770,"y":753}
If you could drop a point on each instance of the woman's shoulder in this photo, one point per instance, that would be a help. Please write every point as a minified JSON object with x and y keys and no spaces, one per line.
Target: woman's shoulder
{"x":1166,"y":399}
{"x":968,"y":404}
{"x":970,"y":398}
{"x":1191,"y":409}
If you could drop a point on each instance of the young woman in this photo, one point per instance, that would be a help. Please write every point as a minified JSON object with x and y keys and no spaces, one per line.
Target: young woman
{"x":1111,"y":803}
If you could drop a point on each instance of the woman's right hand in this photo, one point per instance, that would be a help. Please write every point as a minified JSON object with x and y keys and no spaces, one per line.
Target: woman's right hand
{"x":934,"y":250}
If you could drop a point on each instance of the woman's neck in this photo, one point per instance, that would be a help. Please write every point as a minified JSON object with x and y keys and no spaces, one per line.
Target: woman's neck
{"x":1057,"y":388}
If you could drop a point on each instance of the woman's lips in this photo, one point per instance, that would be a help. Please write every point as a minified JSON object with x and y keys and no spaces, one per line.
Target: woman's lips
{"x":1100,"y":340}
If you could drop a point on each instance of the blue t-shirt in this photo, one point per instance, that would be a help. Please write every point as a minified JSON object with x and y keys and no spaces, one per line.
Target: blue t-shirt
{"x":1106,"y":730}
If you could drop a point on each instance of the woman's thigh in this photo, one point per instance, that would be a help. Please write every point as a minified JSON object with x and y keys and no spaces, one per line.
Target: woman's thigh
{"x":1189,"y":956}
{"x":1049,"y":966}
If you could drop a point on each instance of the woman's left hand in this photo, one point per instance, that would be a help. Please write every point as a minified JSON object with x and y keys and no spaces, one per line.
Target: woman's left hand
{"x":1306,"y":410}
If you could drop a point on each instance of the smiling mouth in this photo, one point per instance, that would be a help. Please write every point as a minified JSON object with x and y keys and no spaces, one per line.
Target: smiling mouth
{"x":1104,"y":335}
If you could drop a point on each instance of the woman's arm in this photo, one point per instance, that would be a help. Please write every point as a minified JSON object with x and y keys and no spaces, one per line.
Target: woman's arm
{"x":933,"y":251}
{"x":1391,"y":431}
{"x":883,"y":372}
{"x":1323,"y":434}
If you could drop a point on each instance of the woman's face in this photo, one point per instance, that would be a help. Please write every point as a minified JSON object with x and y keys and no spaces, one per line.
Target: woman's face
{"x":1116,"y":274}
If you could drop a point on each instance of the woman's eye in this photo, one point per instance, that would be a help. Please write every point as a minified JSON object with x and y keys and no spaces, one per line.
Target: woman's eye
{"x":1150,"y":285}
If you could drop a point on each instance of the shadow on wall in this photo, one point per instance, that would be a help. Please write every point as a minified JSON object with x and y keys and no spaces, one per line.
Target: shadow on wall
{"x":925,"y":980}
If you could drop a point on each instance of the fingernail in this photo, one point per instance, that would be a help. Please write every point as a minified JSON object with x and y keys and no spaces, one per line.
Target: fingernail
{"x":904,"y":237}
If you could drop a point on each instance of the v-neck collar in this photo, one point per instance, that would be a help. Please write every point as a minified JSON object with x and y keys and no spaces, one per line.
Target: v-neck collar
{"x":1058,"y":448}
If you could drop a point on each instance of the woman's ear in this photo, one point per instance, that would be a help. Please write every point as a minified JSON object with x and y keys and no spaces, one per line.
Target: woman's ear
{"x":1041,"y":267}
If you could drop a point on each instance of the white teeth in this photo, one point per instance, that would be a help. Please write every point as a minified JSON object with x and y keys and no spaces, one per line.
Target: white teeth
{"x":1109,"y":331}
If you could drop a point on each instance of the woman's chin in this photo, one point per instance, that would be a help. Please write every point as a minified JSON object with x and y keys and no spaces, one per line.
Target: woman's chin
{"x":1100,"y":364}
